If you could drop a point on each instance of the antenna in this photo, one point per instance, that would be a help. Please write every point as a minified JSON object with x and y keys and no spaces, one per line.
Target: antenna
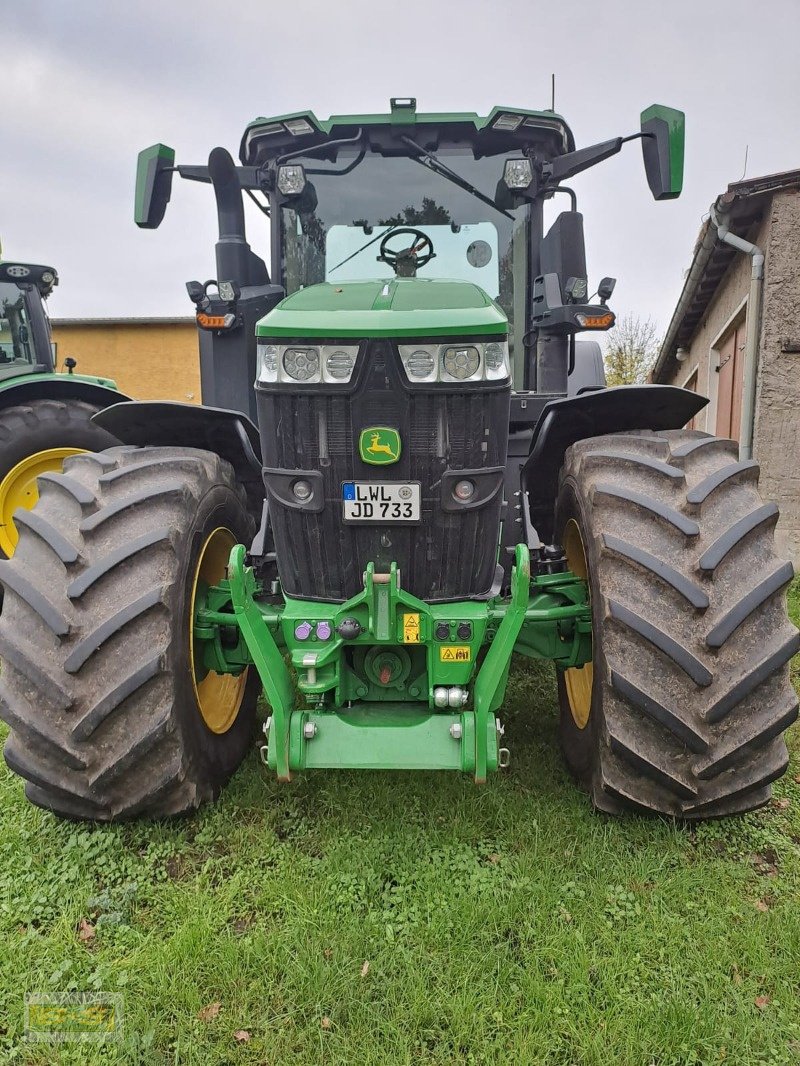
{"x":746,"y":151}
{"x":552,"y":92}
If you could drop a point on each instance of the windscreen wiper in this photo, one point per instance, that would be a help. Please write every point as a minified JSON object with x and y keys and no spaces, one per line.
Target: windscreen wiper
{"x":363,"y":247}
{"x":426,"y":159}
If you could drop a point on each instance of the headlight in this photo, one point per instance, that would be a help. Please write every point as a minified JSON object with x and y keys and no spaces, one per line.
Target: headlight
{"x":420,"y":361}
{"x":338,"y":361}
{"x":301,"y":364}
{"x":495,"y":357}
{"x":267,"y":362}
{"x":462,"y":362}
{"x":472,"y":361}
{"x":308,"y":364}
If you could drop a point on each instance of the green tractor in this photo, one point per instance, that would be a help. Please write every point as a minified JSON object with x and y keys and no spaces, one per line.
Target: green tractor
{"x":393,"y":486}
{"x":44,"y":416}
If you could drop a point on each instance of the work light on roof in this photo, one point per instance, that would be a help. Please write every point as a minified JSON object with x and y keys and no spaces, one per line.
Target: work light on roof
{"x":298,"y":126}
{"x":507,"y":121}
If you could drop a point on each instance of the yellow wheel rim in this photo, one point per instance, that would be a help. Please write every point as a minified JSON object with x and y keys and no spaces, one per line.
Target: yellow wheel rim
{"x":18,"y":489}
{"x":219,"y":696}
{"x":579,"y":679}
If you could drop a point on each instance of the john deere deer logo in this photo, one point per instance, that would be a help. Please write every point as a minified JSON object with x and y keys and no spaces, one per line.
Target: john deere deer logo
{"x":379,"y":445}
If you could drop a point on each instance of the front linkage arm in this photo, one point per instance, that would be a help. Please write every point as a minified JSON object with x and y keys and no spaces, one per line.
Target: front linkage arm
{"x":381,"y":679}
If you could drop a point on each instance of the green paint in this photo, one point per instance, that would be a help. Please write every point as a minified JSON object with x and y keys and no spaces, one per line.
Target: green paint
{"x":374,"y":708}
{"x":151,"y":160}
{"x":402,"y":307}
{"x":379,"y":445}
{"x":51,"y":382}
{"x":375,"y":737}
{"x":558,"y":624}
{"x":266,"y":655}
{"x":490,"y":684}
{"x":341,"y":125}
{"x":675,"y":122}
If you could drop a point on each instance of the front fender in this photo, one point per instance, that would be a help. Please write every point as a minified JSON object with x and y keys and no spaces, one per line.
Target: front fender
{"x":591,"y":414}
{"x":29,"y":387}
{"x":164,"y":424}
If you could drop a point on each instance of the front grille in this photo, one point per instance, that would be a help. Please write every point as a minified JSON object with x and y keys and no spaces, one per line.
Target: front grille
{"x":449,"y":555}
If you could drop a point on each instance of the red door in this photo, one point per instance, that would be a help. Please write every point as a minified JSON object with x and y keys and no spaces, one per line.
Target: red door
{"x":729,"y":386}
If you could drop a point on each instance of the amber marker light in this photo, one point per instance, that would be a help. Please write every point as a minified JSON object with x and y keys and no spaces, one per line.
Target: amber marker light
{"x":205,"y":321}
{"x":596,"y":321}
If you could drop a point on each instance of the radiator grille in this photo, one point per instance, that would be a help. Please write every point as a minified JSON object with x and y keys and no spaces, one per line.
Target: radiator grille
{"x":450,"y":555}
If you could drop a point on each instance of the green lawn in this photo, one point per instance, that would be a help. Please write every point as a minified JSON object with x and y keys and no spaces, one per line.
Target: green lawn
{"x":393,"y":918}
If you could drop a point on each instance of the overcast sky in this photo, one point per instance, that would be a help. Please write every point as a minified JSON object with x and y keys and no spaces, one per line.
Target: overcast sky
{"x":87,"y":84}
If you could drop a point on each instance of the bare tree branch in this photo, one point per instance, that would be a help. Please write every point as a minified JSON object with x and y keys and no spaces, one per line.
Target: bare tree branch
{"x":631,"y":350}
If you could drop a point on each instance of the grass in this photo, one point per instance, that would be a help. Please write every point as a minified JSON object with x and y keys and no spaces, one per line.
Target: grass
{"x":400,"y":918}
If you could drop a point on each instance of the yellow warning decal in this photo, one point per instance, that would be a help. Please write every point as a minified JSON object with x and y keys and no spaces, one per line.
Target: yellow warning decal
{"x":411,"y":628}
{"x":455,"y":653}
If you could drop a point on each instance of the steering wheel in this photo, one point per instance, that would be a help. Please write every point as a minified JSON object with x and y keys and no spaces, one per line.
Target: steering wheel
{"x":406,"y":261}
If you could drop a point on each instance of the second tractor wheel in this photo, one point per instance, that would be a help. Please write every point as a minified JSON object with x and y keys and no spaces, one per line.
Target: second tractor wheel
{"x":113,"y":708}
{"x":683,"y":710}
{"x":35,"y":439}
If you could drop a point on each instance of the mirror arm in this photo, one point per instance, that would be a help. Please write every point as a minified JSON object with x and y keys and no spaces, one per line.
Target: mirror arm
{"x":248,"y":176}
{"x":566,"y":166}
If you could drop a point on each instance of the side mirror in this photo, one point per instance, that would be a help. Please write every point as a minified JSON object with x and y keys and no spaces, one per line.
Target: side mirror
{"x":663,"y":139}
{"x":153,"y":185}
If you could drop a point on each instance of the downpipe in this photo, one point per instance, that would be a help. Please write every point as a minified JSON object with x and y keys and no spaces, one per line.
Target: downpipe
{"x":752,"y":331}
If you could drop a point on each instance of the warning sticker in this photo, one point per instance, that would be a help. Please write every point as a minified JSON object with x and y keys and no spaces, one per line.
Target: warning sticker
{"x":455,"y":653}
{"x":411,"y":628}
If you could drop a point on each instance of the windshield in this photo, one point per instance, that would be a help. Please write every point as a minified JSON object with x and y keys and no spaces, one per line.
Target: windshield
{"x":16,"y":338}
{"x":333,"y":233}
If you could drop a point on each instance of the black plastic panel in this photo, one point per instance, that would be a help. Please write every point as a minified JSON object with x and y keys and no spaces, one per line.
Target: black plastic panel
{"x":450,"y":555}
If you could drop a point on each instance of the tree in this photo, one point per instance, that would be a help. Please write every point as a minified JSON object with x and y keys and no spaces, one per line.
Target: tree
{"x":631,"y":350}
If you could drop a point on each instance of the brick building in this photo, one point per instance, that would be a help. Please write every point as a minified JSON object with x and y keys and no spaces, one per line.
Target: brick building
{"x":735,"y":336}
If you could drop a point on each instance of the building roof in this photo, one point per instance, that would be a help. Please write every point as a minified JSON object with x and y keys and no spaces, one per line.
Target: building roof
{"x":743,"y":203}
{"x":183,"y":320}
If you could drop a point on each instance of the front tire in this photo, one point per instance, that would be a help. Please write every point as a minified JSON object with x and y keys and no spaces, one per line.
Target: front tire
{"x":36,"y":438}
{"x":690,"y":694}
{"x":105,"y":704}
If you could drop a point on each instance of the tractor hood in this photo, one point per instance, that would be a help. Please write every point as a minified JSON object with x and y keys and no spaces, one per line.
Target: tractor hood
{"x":402,"y":307}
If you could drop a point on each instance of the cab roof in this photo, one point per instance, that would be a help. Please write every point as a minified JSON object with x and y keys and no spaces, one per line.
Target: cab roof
{"x":45,"y":278}
{"x":503,"y":129}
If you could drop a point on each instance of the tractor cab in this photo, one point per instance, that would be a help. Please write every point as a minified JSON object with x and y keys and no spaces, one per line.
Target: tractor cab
{"x":25,"y":343}
{"x":447,"y":196}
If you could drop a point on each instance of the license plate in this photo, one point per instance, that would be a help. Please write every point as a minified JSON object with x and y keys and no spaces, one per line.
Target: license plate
{"x":381,"y":501}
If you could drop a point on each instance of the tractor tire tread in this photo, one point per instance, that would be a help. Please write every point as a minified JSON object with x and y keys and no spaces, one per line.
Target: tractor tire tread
{"x":99,"y":729}
{"x":660,"y":569}
{"x":685,"y":525}
{"x":53,"y":538}
{"x":694,"y":689}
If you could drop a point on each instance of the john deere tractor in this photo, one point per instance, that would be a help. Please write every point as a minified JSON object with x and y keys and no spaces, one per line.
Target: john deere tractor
{"x":44,"y":416}
{"x":393,"y":487}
